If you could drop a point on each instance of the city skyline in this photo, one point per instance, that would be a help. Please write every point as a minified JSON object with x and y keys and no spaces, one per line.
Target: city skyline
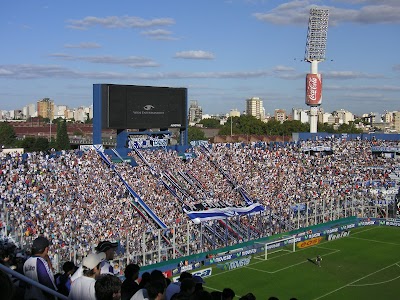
{"x":223,"y":52}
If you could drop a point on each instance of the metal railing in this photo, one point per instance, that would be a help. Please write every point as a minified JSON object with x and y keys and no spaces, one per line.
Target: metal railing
{"x":32,"y":282}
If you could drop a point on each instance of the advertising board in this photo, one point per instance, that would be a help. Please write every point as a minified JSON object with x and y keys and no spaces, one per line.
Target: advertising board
{"x":313,"y":89}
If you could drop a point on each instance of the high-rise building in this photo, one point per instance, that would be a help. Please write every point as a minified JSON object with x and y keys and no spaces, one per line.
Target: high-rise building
{"x":195,"y":112}
{"x":80,"y":114}
{"x":234,"y":113}
{"x":45,"y":108}
{"x":254,"y":107}
{"x":59,"y":111}
{"x":280,"y":115}
{"x":301,"y":115}
{"x":396,"y":119}
{"x":29,"y":111}
{"x":345,"y":116}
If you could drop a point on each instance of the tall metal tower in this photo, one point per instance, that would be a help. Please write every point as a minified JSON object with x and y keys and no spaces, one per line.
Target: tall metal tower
{"x":315,"y":53}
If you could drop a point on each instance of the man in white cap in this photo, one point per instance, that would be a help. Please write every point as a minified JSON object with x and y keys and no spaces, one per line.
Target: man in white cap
{"x":83,"y":287}
{"x":107,"y":250}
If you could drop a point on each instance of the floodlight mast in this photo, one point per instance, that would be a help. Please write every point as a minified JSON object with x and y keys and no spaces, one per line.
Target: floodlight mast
{"x":315,"y":53}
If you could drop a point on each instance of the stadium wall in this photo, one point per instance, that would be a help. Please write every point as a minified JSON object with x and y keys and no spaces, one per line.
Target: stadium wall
{"x":304,"y":136}
{"x":195,"y":262}
{"x":200,"y":263}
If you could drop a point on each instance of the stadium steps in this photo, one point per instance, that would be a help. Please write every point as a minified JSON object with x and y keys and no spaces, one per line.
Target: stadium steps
{"x":238,"y":228}
{"x":214,"y":232}
{"x":144,"y":206}
{"x":230,"y":229}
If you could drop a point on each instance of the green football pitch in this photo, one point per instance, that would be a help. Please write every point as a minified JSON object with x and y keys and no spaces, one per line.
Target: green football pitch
{"x":364,"y":265}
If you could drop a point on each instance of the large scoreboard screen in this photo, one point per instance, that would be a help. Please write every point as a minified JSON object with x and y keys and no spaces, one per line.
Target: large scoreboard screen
{"x":141,"y":107}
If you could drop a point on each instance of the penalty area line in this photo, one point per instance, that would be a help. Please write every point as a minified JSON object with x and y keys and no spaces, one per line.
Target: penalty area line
{"x":351,"y":283}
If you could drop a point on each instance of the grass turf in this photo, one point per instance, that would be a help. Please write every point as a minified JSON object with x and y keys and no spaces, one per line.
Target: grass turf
{"x":365,"y":265}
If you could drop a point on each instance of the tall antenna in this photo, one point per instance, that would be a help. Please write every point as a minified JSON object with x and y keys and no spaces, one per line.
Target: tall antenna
{"x":315,"y":53}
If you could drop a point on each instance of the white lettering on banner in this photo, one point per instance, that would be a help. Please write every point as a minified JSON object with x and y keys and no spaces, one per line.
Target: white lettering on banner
{"x":160,"y":142}
{"x":311,"y":236}
{"x":393,"y":220}
{"x":273,"y":246}
{"x":312,"y":84}
{"x":203,"y":273}
{"x":391,"y":223}
{"x":247,"y":252}
{"x":297,"y":239}
{"x":349,"y":226}
{"x":301,"y":233}
{"x":366,"y":223}
{"x":333,"y":230}
{"x":333,"y":237}
{"x":199,"y":143}
{"x":238,"y":263}
{"x":223,"y":258}
{"x":186,"y":268}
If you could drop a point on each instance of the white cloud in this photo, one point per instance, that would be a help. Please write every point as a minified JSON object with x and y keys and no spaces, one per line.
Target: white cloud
{"x":283,"y":69}
{"x":158,"y":34}
{"x":130,"y":61}
{"x":54,"y":71}
{"x":83,"y":45}
{"x":118,"y":22}
{"x":195,"y":54}
{"x":297,"y":13}
{"x":5,"y":72}
{"x":385,"y":88}
{"x":350,"y":74}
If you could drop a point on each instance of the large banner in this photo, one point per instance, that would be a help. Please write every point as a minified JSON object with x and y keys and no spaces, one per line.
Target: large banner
{"x":222,"y":213}
{"x":313,"y":89}
{"x":145,"y":141}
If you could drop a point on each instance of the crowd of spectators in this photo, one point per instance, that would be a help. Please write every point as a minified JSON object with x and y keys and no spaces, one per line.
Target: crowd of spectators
{"x":93,"y":280}
{"x":76,"y":199}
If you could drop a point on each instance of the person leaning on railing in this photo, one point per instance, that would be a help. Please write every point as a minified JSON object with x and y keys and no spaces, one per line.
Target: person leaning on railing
{"x":37,"y":268}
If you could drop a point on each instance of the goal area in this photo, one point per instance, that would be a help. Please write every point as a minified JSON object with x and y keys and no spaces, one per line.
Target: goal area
{"x":285,"y":244}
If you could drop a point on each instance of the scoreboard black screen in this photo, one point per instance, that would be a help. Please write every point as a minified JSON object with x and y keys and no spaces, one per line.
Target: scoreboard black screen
{"x":141,"y":107}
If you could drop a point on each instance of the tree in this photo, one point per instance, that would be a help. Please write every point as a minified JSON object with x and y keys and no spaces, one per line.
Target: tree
{"x":250,"y":125}
{"x":41,"y":144}
{"x":28,"y":144}
{"x":88,"y":120}
{"x":349,"y":128}
{"x":78,"y":133}
{"x":230,"y":127}
{"x":290,"y":126}
{"x":195,"y":134}
{"x":273,"y":127}
{"x":326,"y":128}
{"x":7,"y":134}
{"x":210,"y":123}
{"x":62,"y":136}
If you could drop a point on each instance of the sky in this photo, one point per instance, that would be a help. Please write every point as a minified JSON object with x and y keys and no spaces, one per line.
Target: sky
{"x":223,"y":52}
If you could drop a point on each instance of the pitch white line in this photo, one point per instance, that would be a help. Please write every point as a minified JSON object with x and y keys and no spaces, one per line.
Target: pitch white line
{"x":361,"y":231}
{"x":375,"y":241}
{"x":376,"y":283}
{"x":342,"y":287}
{"x":290,"y":266}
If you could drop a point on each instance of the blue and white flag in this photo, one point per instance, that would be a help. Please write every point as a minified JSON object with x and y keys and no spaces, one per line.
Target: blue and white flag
{"x":222,"y":213}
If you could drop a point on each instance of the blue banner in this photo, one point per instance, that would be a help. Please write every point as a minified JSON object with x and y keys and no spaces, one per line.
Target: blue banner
{"x":222,"y":213}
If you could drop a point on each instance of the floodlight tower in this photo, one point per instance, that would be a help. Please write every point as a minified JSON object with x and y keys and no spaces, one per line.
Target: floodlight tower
{"x":315,"y":53}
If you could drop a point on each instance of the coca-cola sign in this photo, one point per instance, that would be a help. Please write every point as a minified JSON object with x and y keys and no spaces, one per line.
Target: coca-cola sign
{"x":313,"y":89}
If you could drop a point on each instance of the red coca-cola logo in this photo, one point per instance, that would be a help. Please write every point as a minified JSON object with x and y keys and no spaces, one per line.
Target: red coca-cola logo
{"x":313,"y":89}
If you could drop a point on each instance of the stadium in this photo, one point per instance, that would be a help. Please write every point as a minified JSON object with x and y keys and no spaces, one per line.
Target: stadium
{"x":248,"y":216}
